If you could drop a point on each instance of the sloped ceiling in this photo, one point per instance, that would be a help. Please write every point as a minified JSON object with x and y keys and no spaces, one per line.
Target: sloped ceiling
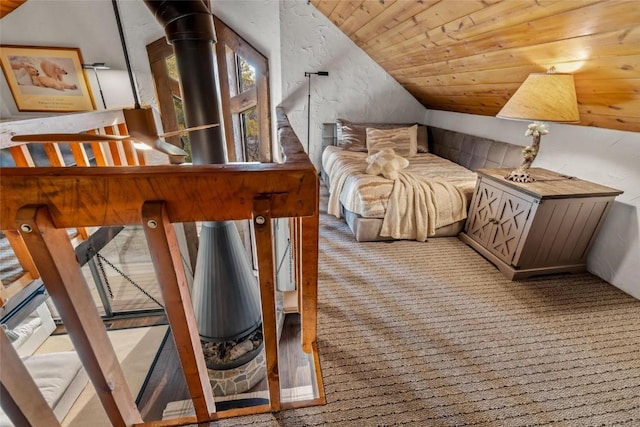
{"x":7,"y":6}
{"x":470,"y":56}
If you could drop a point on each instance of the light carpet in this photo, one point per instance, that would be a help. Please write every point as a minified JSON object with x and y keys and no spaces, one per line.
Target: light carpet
{"x":135,"y":349}
{"x":431,"y":334}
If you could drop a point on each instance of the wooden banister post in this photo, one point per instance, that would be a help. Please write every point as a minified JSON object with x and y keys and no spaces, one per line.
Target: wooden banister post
{"x":21,"y":156}
{"x":21,"y":398}
{"x":21,"y":252}
{"x":309,"y":286}
{"x":114,"y":147}
{"x":264,"y":249}
{"x":167,"y":263}
{"x":98,"y":150}
{"x":55,"y":258}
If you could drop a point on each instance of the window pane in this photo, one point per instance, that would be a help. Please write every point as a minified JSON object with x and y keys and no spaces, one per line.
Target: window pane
{"x":249,"y":119}
{"x":246,"y":75}
{"x":172,"y":67}
{"x":184,"y":138}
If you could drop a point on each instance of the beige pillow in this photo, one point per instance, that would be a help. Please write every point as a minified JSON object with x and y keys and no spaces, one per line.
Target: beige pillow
{"x":423,"y":139}
{"x":404,"y":141}
{"x":351,"y":136}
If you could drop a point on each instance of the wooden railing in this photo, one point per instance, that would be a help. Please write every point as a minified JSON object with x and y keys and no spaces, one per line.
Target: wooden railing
{"x":62,"y":154}
{"x":41,"y":202}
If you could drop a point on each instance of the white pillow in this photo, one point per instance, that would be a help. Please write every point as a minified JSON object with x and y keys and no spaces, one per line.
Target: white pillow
{"x":404,"y":141}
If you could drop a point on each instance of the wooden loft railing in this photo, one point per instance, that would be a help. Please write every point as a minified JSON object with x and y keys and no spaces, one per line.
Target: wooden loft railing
{"x":56,"y":154}
{"x":41,"y":202}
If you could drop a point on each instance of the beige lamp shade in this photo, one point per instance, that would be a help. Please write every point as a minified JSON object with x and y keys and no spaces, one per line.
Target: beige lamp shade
{"x":546,"y":97}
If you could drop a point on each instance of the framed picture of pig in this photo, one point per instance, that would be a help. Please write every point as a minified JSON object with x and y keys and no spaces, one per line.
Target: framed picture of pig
{"x":48,"y":79}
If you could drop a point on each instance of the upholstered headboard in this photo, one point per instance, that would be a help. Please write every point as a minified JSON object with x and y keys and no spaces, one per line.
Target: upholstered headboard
{"x":472,"y":152}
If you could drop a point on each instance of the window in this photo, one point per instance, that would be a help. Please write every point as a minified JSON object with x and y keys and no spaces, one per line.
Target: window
{"x":250,"y":142}
{"x":244,"y":95}
{"x":246,"y":75}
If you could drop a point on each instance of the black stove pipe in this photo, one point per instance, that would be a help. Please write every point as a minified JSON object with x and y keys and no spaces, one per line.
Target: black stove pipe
{"x":225,"y":293}
{"x":189,"y":28}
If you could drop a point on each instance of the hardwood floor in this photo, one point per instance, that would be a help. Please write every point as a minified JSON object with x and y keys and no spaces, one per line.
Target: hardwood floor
{"x":166,"y":383}
{"x":126,"y":322}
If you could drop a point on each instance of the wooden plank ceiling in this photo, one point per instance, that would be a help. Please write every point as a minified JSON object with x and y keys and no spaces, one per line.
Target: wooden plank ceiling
{"x":470,"y":56}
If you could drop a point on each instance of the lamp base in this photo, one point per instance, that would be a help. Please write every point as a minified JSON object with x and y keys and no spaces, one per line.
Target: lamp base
{"x":519,"y":176}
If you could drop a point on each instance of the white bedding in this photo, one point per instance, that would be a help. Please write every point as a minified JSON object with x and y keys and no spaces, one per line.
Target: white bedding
{"x":60,"y":378}
{"x":368,"y":195}
{"x":419,"y":205}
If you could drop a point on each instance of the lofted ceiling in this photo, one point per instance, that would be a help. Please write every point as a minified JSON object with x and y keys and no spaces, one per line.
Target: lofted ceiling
{"x":7,"y":6}
{"x":470,"y":56}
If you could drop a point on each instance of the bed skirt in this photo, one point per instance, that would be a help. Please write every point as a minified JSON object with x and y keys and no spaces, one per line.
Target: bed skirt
{"x":368,"y":229}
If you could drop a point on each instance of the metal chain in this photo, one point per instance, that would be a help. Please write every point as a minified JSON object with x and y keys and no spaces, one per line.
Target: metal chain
{"x":283,"y":257}
{"x":100,"y":257}
{"x":104,"y":274}
{"x":291,"y":264}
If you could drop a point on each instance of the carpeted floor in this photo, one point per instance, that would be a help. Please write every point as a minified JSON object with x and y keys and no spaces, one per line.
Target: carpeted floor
{"x":431,"y":334}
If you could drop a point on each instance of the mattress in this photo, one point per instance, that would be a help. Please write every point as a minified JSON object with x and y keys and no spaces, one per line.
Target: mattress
{"x":367,"y":195}
{"x":33,"y":331}
{"x":60,"y":378}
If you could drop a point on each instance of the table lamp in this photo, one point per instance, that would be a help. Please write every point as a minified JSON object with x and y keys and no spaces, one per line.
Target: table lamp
{"x":543,"y":97}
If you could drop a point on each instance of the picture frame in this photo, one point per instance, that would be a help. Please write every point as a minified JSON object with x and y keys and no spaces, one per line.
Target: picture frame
{"x":46,"y":79}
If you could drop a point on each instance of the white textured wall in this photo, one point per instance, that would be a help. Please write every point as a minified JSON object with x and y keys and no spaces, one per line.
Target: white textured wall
{"x":88,"y":25}
{"x":356,"y":89}
{"x":604,"y":156}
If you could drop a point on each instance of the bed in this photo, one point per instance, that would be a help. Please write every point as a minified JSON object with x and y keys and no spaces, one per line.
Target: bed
{"x":59,"y":376}
{"x":443,"y":166}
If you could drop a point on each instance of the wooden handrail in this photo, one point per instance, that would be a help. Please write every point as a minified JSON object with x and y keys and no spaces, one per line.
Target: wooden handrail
{"x":39,"y":202}
{"x":82,"y":130}
{"x":65,"y":123}
{"x":191,"y":193}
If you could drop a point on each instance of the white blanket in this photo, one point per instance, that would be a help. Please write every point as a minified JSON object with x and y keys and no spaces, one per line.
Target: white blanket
{"x":411,"y":210}
{"x":367,"y":195}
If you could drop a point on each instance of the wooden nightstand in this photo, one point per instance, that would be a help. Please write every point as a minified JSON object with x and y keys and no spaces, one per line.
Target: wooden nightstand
{"x":542,"y":227}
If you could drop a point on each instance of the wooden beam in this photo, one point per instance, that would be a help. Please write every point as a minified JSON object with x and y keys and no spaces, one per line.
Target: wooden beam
{"x":266,"y":273}
{"x":225,"y":99}
{"x":114,"y":147}
{"x":309,"y":286}
{"x":56,"y":260}
{"x":264,"y":117}
{"x":243,"y":101}
{"x":21,"y":156}
{"x":79,"y":154}
{"x":83,"y":197}
{"x":99,"y":152}
{"x":158,"y":53}
{"x":64,"y":123}
{"x":167,"y":262}
{"x":21,"y":399}
{"x":21,"y":252}
{"x":127,"y":146}
{"x":54,"y":154}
